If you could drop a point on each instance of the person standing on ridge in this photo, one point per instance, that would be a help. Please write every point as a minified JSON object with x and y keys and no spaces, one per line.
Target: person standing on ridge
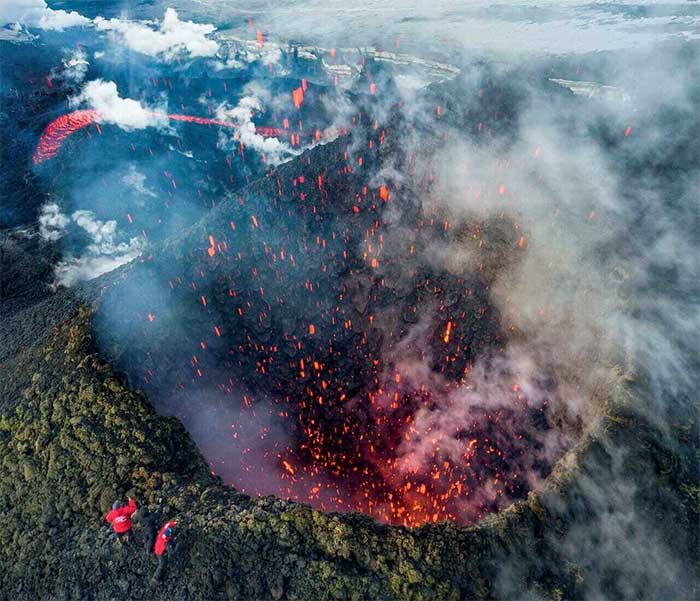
{"x":161,"y":547}
{"x":120,"y":518}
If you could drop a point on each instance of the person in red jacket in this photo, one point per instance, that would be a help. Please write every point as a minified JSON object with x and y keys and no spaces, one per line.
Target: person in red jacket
{"x":161,"y":546}
{"x":163,"y":538}
{"x":120,"y":518}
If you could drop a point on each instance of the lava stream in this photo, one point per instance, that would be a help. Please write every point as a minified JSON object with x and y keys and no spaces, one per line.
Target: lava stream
{"x":64,"y":126}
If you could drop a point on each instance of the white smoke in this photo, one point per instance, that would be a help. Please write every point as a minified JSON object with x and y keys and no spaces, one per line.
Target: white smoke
{"x":52,"y":222}
{"x":127,"y":113}
{"x":106,"y":251}
{"x":598,"y":277}
{"x":73,"y":68}
{"x":167,"y":39}
{"x":136,"y":180}
{"x":35,"y":13}
{"x":274,"y":150}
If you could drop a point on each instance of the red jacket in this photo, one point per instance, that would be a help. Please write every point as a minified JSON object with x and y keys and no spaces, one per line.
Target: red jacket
{"x":121,"y":518}
{"x":163,"y":538}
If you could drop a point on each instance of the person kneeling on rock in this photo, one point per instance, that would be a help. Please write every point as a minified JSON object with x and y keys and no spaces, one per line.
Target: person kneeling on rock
{"x":120,"y":518}
{"x":162,"y":546}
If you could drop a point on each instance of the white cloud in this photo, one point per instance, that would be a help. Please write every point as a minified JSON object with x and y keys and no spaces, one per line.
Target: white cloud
{"x":74,"y":67}
{"x":35,"y":13}
{"x":127,"y":113}
{"x":52,"y":223}
{"x":82,"y":269}
{"x":232,"y":62}
{"x":240,"y":53}
{"x":102,"y":233}
{"x":274,"y":150}
{"x":168,"y":39}
{"x":103,"y":254}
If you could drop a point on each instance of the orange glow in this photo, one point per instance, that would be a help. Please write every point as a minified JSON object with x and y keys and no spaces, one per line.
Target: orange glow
{"x":448,"y":331}
{"x":297,"y":97}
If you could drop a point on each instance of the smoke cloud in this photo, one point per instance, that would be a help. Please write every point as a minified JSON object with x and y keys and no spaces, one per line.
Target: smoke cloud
{"x":105,"y":252}
{"x":242,"y":114}
{"x":35,"y":13}
{"x":603,"y":194}
{"x":127,"y":113}
{"x":136,"y":181}
{"x":170,"y":38}
{"x":52,"y":223}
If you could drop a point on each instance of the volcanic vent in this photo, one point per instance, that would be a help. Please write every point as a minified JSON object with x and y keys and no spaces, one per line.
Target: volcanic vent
{"x":319,"y":336}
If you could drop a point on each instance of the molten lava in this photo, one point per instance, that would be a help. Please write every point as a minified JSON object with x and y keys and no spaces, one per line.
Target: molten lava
{"x":56,"y":132}
{"x":59,"y":130}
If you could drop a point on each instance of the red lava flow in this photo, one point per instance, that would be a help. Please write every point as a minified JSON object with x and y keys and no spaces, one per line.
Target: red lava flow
{"x":56,"y":132}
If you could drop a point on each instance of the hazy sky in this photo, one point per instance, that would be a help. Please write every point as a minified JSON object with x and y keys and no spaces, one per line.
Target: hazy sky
{"x":537,"y":26}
